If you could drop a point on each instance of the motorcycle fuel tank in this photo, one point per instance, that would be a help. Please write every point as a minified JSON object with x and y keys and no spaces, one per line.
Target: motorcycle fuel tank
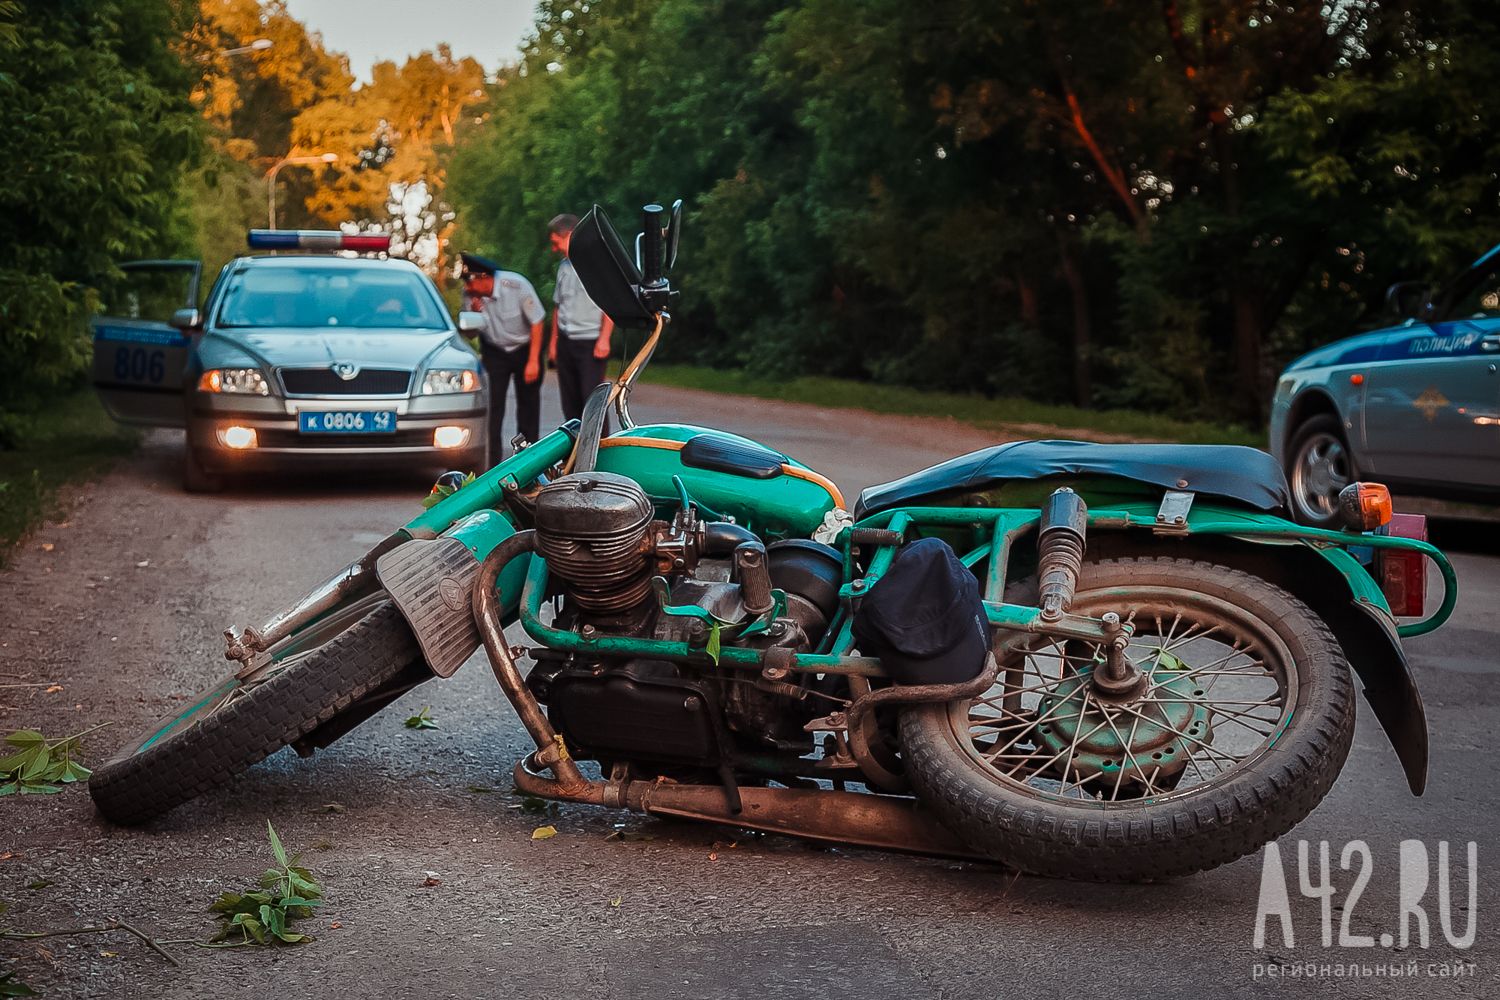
{"x":725,"y":474}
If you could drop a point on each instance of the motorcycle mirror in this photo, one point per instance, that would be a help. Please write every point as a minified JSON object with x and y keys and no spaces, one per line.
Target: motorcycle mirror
{"x":674,"y":230}
{"x":608,"y":274}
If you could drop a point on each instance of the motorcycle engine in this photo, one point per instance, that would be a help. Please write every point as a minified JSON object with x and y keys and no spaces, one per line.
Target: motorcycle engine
{"x":604,"y":549}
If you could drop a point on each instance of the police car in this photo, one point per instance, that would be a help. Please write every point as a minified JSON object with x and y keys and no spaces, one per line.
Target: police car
{"x":314,"y":357}
{"x":1415,"y":405}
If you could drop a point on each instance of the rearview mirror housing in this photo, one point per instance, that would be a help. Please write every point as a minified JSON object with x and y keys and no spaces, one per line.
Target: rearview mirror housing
{"x":470,"y":321}
{"x":607,"y":271}
{"x":186,"y":319}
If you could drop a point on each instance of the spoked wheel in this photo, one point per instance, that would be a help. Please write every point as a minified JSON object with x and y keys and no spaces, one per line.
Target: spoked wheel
{"x":1227,"y":721}
{"x":1319,"y":466}
{"x":324,"y":671}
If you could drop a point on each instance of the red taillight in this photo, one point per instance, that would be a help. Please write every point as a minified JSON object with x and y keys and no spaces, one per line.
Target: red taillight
{"x":1403,"y":573}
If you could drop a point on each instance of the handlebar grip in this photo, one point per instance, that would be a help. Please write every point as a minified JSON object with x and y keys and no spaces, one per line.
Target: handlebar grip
{"x":651,"y":243}
{"x":875,"y":536}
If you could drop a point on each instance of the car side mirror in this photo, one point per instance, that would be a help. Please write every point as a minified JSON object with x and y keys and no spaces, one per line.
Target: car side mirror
{"x":1409,"y":300}
{"x":186,"y":319}
{"x":470,"y":321}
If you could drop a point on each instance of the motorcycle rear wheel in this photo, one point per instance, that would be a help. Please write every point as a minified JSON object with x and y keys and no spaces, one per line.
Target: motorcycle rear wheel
{"x":1052,"y":782}
{"x":307,"y":681}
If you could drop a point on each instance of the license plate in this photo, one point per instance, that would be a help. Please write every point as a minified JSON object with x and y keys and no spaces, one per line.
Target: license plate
{"x":347,"y":421}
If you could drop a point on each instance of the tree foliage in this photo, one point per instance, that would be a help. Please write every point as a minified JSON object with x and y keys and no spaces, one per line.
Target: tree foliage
{"x":95,"y":115}
{"x":1149,"y":204}
{"x":296,"y":98}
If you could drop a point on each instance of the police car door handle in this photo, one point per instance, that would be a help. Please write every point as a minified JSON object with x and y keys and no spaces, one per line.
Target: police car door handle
{"x":1490,"y":342}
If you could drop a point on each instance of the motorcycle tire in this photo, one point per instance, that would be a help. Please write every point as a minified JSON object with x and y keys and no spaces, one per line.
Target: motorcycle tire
{"x":1154,"y":833}
{"x":320,"y":674}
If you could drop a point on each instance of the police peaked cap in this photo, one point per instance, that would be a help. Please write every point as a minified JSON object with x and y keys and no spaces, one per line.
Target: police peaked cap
{"x":475,"y":264}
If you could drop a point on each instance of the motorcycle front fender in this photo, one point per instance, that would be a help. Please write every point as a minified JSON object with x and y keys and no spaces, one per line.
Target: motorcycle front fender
{"x":431,"y":576}
{"x":431,"y":581}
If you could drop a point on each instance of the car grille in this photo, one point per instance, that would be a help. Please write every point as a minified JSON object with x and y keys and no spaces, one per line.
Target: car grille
{"x":277,"y":438}
{"x":323,"y":382}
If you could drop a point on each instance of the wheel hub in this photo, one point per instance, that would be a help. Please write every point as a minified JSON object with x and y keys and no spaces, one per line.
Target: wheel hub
{"x":1145,"y":740}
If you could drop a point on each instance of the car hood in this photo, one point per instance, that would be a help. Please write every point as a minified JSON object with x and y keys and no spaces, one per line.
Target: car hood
{"x":319,"y":348}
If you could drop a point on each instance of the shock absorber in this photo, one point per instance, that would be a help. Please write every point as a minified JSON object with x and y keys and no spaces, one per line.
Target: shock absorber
{"x":1060,"y":551}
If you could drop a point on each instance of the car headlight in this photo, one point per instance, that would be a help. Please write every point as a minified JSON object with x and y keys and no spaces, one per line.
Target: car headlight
{"x":441,"y":380}
{"x":246,"y":381}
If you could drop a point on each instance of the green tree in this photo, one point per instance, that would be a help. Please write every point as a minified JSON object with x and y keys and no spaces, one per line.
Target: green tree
{"x":95,"y":111}
{"x":393,"y":136}
{"x":1145,"y":204}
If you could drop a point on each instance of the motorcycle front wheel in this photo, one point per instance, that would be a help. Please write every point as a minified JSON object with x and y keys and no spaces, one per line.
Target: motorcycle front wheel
{"x":325,"y":671}
{"x":1237,"y":729}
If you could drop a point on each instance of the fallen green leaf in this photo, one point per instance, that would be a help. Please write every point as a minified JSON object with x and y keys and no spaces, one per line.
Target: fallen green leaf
{"x":10,"y":986}
{"x":262,"y":916}
{"x":276,"y":848}
{"x":422,"y":720}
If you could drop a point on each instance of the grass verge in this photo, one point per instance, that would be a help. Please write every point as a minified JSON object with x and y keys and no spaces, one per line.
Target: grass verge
{"x":1011,"y":414}
{"x":70,"y":440}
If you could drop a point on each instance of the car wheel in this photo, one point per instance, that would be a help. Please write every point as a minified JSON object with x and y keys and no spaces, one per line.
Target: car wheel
{"x":1319,"y":465}
{"x":195,"y":478}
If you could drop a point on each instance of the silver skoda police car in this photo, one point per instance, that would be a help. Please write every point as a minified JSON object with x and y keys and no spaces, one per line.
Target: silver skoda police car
{"x":311,"y":358}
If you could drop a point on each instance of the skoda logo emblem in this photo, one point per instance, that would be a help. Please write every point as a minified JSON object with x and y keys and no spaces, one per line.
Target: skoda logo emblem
{"x":345,"y":370}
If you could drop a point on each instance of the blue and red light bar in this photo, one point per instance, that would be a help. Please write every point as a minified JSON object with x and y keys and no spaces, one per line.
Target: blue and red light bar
{"x":317,"y":239}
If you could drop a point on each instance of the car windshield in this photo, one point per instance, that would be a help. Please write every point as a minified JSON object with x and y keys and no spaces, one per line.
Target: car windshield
{"x":331,"y":296}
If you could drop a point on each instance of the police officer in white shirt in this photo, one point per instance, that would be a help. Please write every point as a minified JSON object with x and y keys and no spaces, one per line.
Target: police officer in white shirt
{"x":510,"y":343}
{"x":580,"y":330}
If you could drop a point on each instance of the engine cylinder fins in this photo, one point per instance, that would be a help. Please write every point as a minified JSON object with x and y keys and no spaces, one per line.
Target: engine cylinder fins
{"x":591,"y":528}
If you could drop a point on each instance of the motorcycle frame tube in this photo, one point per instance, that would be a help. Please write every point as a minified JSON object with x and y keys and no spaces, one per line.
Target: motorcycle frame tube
{"x":488,"y":490}
{"x":1006,"y":526}
{"x":1009,"y":617}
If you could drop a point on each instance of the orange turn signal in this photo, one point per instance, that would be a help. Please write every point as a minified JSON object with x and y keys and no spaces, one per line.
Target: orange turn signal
{"x":211,"y":381}
{"x":1365,"y":506}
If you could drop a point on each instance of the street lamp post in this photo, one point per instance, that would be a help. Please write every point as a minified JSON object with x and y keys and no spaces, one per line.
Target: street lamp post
{"x":271,"y":178}
{"x":259,"y":45}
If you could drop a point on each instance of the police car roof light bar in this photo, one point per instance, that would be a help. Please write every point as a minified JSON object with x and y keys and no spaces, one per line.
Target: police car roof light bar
{"x":317,"y":239}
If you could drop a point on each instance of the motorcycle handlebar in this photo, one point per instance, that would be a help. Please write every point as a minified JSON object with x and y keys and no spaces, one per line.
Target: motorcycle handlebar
{"x":651,"y":244}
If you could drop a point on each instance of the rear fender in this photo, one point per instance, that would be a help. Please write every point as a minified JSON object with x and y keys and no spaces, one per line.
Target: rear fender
{"x":431,"y":581}
{"x":1343,"y":594}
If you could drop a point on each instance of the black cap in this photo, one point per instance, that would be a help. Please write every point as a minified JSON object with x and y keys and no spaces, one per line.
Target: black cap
{"x":475,"y":264}
{"x":924,"y":618}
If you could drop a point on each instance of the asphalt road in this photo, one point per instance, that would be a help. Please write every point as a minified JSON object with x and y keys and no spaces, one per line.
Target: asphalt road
{"x":437,"y":889}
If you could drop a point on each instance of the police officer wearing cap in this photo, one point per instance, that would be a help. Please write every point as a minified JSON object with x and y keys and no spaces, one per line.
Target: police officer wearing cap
{"x":510,"y":343}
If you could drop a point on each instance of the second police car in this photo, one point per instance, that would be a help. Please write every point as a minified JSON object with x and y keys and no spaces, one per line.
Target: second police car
{"x":305,"y":358}
{"x":1415,"y":405}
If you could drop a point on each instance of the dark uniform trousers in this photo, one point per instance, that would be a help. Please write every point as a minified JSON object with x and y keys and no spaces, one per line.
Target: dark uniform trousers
{"x":578,"y":372}
{"x":504,"y":367}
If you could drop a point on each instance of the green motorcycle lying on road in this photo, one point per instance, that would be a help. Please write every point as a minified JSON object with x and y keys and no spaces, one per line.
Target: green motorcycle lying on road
{"x":1104,"y":662}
